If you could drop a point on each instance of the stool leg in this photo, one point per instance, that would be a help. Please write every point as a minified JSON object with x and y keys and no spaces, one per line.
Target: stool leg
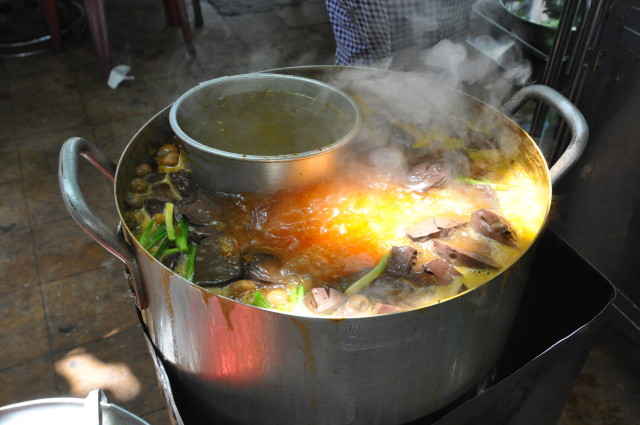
{"x":53,"y":22}
{"x":186,"y":27}
{"x":171,"y":12}
{"x":98,"y":25}
{"x":197,"y":13}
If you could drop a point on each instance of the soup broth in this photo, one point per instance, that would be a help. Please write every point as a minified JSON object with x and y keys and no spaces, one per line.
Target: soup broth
{"x":268,"y":123}
{"x":458,"y":208}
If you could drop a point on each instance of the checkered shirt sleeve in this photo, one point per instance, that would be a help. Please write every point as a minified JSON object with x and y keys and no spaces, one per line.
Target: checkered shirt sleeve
{"x":367,"y":31}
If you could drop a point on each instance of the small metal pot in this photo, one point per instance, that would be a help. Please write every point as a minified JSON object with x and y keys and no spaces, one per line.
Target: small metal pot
{"x":251,"y":133}
{"x":92,"y":410}
{"x":535,"y":21}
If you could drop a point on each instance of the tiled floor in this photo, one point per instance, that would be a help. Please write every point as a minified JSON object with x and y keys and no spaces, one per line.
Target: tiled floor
{"x":67,"y":324}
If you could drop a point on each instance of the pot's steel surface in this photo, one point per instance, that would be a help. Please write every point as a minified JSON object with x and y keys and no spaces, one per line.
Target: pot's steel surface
{"x":241,"y":364}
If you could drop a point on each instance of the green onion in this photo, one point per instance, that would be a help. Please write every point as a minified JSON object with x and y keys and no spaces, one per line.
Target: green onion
{"x":145,"y":232}
{"x":361,"y":283}
{"x":155,"y":236}
{"x":168,"y":221}
{"x":191,"y":263}
{"x":171,"y":250}
{"x":181,"y":235}
{"x":296,"y":295}
{"x":469,"y":180}
{"x":161,"y":250}
{"x":259,"y":300}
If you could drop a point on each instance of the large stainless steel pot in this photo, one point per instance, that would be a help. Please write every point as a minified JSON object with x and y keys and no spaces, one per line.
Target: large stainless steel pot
{"x":236,"y":363}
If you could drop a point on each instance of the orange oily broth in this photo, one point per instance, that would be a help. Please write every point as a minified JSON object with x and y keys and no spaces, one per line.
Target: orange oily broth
{"x":346,"y":224}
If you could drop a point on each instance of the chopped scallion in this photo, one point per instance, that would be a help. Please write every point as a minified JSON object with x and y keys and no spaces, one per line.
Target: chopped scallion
{"x":171,"y":250}
{"x":145,"y":232}
{"x":168,"y":220}
{"x":469,"y":180}
{"x":296,"y":295}
{"x":361,"y":283}
{"x":155,"y":236}
{"x":181,"y":235}
{"x":259,"y":300}
{"x":161,"y":250}
{"x":191,"y":262}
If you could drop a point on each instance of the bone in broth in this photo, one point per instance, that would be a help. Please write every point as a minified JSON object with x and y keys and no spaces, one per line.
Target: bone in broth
{"x":269,"y":123}
{"x":452,"y":210}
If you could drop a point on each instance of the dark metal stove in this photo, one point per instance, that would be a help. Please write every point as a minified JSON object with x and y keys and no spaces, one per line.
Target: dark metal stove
{"x":564,"y":304}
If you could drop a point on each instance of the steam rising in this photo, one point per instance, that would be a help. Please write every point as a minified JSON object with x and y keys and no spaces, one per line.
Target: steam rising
{"x":426,"y":42}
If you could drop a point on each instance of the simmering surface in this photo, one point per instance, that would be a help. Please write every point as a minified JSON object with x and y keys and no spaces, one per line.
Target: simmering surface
{"x":417,"y":215}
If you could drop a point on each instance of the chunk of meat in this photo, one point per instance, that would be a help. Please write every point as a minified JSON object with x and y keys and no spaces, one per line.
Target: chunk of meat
{"x":154,"y":205}
{"x":473,"y":139}
{"x":390,"y":288}
{"x":264,"y":268}
{"x":442,"y":271}
{"x":155,"y":177}
{"x":479,"y":140}
{"x":163,"y":190}
{"x":434,"y":227}
{"x":422,"y":279}
{"x":183,"y":182}
{"x":382,"y":308}
{"x":491,"y":225}
{"x":172,"y":261}
{"x":218,"y":261}
{"x":465,"y":254}
{"x":202,"y":211}
{"x":402,"y":260}
{"x":321,"y":300}
{"x":402,"y":265}
{"x":399,"y":136}
{"x":425,"y":175}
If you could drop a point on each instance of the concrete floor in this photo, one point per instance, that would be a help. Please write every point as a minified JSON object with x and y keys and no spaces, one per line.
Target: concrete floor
{"x":67,"y":323}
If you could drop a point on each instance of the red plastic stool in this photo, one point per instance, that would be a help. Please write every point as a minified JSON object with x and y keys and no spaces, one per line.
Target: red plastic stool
{"x":175,"y":11}
{"x":53,"y":23}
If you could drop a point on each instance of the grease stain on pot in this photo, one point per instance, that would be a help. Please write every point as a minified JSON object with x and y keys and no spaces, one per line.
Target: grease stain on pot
{"x":310,"y":361}
{"x":226,"y":308}
{"x":165,"y":279}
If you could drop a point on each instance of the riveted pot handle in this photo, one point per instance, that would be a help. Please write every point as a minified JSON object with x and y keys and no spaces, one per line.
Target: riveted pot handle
{"x":111,"y":240}
{"x":567,"y":111}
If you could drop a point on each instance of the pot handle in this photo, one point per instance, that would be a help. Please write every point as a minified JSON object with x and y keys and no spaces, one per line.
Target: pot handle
{"x":114,"y":242}
{"x":567,"y":111}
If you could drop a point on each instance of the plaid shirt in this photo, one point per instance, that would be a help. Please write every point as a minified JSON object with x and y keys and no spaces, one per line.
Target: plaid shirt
{"x":367,"y":31}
